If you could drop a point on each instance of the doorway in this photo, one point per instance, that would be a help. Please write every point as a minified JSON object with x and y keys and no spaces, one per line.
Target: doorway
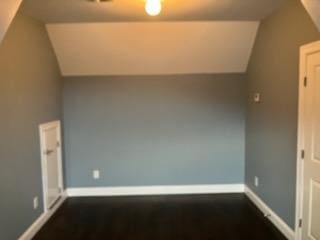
{"x":51,"y":162}
{"x":308,"y":187}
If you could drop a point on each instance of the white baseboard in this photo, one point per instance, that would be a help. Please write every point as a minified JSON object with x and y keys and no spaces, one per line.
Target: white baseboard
{"x":272,"y":216}
{"x":155,"y":190}
{"x":38,"y":224}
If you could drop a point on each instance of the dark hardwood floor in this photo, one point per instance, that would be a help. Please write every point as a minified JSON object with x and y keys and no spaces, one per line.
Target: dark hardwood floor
{"x":197,"y":217}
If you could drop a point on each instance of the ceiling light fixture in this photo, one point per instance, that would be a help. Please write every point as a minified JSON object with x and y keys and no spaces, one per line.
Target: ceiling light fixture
{"x":100,"y":1}
{"x":153,"y":7}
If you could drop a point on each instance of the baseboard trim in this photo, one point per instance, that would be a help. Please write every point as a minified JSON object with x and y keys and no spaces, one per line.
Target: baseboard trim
{"x":155,"y":190}
{"x":42,"y":219}
{"x":272,"y":216}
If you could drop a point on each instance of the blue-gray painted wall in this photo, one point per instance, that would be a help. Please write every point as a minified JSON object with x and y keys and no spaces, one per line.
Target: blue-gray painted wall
{"x":271,"y":134}
{"x":30,"y":94}
{"x":154,"y":130}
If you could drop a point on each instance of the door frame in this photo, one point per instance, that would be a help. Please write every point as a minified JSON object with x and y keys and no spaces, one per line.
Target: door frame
{"x":304,"y":52}
{"x":42,"y":128}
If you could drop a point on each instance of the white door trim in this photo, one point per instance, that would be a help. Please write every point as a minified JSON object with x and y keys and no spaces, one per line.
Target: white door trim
{"x":304,"y":52}
{"x":42,"y":128}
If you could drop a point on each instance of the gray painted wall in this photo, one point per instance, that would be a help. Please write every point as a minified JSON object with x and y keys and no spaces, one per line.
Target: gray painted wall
{"x":30,"y":92}
{"x":272,"y":124}
{"x":159,"y":130}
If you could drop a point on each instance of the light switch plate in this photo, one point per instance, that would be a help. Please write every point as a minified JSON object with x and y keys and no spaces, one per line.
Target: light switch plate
{"x":257,"y":97}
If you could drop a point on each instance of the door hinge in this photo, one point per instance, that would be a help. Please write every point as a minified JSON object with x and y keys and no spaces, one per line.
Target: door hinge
{"x":305,"y":82}
{"x":58,"y":144}
{"x":300,"y":223}
{"x":303,"y":154}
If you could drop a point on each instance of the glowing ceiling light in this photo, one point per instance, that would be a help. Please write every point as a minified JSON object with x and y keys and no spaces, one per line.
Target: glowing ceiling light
{"x":153,"y":7}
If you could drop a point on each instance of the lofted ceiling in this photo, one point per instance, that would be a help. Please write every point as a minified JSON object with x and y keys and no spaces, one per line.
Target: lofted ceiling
{"x":117,"y":37}
{"x":67,"y":11}
{"x":144,"y":48}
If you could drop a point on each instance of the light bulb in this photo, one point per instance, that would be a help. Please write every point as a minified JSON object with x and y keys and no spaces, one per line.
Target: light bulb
{"x":153,"y":7}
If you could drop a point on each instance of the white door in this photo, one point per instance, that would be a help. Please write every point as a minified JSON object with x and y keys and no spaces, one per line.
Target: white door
{"x":311,"y":142}
{"x":51,"y":163}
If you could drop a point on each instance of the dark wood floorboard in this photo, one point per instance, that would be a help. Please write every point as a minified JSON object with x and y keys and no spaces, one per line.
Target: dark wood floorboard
{"x":192,"y":217}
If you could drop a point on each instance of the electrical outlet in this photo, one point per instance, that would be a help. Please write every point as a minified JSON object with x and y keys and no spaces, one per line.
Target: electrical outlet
{"x":96,"y":174}
{"x":35,"y":203}
{"x":256,"y":181}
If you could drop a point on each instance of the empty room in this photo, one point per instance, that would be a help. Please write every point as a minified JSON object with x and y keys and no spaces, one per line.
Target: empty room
{"x":160,"y":120}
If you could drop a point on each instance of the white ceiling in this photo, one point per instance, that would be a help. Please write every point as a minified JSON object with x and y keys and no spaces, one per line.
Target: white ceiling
{"x":8,"y":9}
{"x":152,"y":48}
{"x":313,"y":7}
{"x":63,"y":11}
{"x":119,"y":38}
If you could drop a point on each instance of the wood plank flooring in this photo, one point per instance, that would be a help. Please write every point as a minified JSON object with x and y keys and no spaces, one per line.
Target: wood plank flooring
{"x":190,"y":217}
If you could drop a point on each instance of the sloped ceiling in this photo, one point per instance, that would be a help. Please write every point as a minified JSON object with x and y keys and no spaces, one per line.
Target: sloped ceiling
{"x":144,"y":48}
{"x":206,"y":43}
{"x":8,"y":9}
{"x":313,"y":7}
{"x":119,"y":38}
{"x":66,"y":11}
